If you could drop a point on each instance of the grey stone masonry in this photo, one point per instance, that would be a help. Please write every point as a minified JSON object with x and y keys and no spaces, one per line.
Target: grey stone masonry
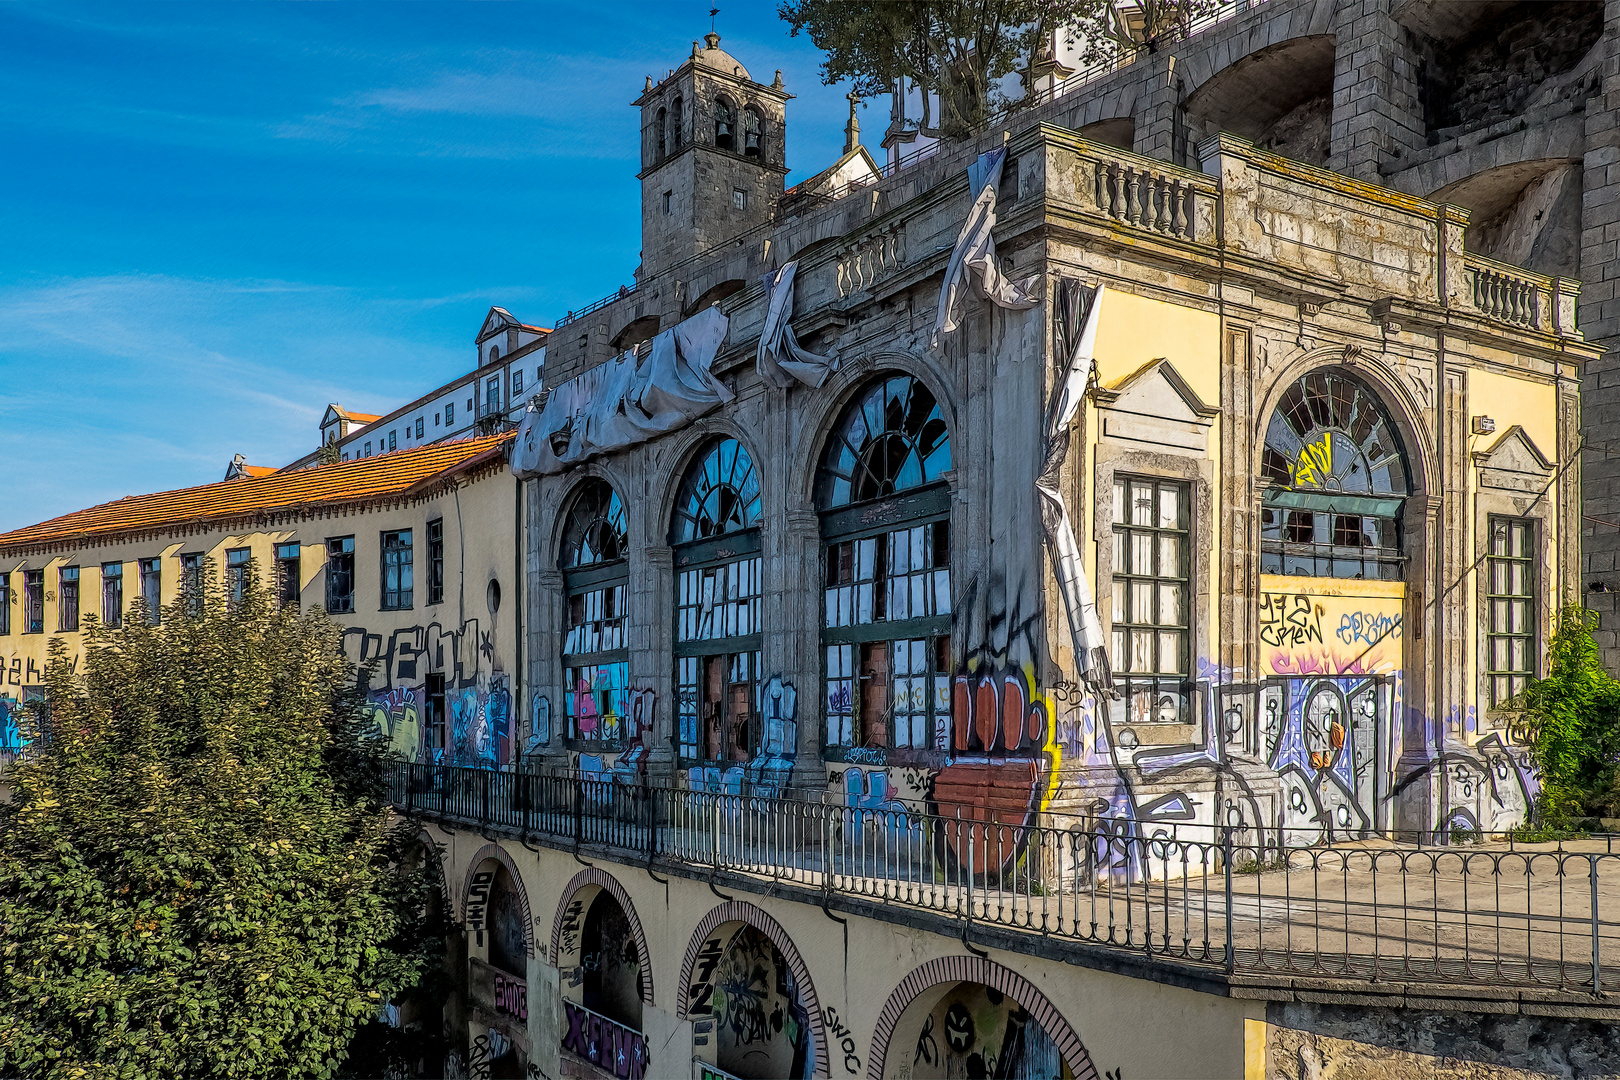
{"x":1600,"y":320}
{"x":1375,"y":107}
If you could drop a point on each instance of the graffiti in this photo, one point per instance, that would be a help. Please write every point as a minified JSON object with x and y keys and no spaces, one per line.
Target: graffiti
{"x":410,"y":652}
{"x":927,"y":1047}
{"x":760,"y":1026}
{"x":976,"y":1030}
{"x":772,"y":764}
{"x":486,"y":1050}
{"x":10,"y":723}
{"x":539,"y":724}
{"x":512,"y":996}
{"x":478,"y":902}
{"x":843,"y":1038}
{"x":20,"y":671}
{"x":1314,"y":463}
{"x":1289,"y":620}
{"x":570,"y":926}
{"x":397,"y":716}
{"x":1368,"y":627}
{"x":602,"y":1042}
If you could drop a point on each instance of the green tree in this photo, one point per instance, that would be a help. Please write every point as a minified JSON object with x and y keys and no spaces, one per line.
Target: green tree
{"x":199,"y":874}
{"x":961,"y":51}
{"x":1573,"y":717}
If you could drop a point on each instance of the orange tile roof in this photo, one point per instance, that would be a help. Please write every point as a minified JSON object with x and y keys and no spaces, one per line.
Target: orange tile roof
{"x":345,"y":481}
{"x":258,"y":470}
{"x":363,"y":417}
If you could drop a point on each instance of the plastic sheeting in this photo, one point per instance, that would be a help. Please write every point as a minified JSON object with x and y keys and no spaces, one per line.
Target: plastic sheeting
{"x":627,"y":400}
{"x":781,"y":358}
{"x":976,"y":251}
{"x":1079,"y":602}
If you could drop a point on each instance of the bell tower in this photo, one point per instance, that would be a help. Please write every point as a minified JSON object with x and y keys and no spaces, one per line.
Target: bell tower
{"x":712,"y":156}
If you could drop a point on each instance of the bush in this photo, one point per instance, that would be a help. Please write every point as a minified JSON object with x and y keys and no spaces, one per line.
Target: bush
{"x":1573,"y":716}
{"x":200,"y":875}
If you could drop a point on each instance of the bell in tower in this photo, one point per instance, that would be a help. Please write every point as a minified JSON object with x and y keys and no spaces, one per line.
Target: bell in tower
{"x":712,"y":156}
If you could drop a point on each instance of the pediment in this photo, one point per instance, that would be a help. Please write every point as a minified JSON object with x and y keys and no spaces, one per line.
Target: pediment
{"x":495,"y":322}
{"x":1514,"y":462}
{"x":1155,"y":405}
{"x":333,"y":415}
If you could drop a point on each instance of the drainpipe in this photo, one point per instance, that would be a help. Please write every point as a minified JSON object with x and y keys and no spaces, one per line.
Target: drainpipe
{"x":518,"y":700}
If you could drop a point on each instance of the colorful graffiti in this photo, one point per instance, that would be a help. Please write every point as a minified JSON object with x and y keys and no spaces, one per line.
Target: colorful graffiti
{"x":608,"y":1045}
{"x":761,"y":1027}
{"x":769,"y":771}
{"x":975,"y":1030}
{"x":397,"y":716}
{"x":1330,"y":626}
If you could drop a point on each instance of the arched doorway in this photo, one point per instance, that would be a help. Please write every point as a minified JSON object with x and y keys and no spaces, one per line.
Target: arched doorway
{"x":1333,"y":563}
{"x":602,"y":957}
{"x":495,"y":908}
{"x":611,"y":962}
{"x":748,"y":993}
{"x":964,"y":1016}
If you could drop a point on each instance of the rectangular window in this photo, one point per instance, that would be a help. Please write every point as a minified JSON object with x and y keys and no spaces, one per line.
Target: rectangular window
{"x":470,"y":404}
{"x":594,"y":698}
{"x":718,"y":721}
{"x":517,"y":384}
{"x":340,"y":575}
{"x":492,"y":396}
{"x":435,"y":555}
{"x":396,"y":570}
{"x":435,"y":419}
{"x":33,"y":601}
{"x":669,"y":202}
{"x":435,"y":735}
{"x":421,"y":427}
{"x":393,"y":440}
{"x":368,"y":449}
{"x":1150,"y":599}
{"x":67,"y":599}
{"x":191,"y":581}
{"x":152,"y":589}
{"x":5,"y":603}
{"x":449,"y":413}
{"x":289,"y":580}
{"x":238,"y":562}
{"x":739,"y":199}
{"x":1510,"y":595}
{"x":112,"y":594}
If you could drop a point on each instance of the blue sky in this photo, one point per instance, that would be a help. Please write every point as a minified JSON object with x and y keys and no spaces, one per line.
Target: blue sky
{"x":219,"y":217}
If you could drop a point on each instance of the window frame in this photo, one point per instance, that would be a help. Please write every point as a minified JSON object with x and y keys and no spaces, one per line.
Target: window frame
{"x":5,"y":603}
{"x":238,"y":565}
{"x":582,"y":583}
{"x":1124,"y":578}
{"x":340,"y":556}
{"x":1529,"y":600}
{"x":112,"y":594}
{"x":192,"y":580}
{"x":435,"y":559}
{"x":402,"y":596}
{"x":150,"y":572}
{"x":289,"y":592}
{"x":68,"y":616}
{"x":34,"y":601}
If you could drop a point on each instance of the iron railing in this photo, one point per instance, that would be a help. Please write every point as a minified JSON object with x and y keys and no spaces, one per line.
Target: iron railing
{"x":1480,"y":913}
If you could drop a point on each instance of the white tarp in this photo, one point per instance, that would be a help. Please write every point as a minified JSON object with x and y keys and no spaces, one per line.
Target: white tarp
{"x":627,"y":400}
{"x":976,"y":251}
{"x":1079,"y":603}
{"x":781,"y":358}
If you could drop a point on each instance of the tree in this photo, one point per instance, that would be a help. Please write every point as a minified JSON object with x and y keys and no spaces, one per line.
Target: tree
{"x":961,"y":51}
{"x":200,"y":876}
{"x":1573,"y":717}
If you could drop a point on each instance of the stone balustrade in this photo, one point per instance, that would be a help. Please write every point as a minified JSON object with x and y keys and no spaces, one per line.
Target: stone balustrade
{"x":1150,"y":195}
{"x":1507,"y":294}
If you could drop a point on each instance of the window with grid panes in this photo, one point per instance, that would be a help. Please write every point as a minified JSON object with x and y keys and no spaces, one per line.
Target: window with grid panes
{"x":289,"y":574}
{"x":340,"y":574}
{"x":1510,"y":587}
{"x":112,"y":594}
{"x":887,"y":591}
{"x":191,"y":580}
{"x":595,"y":657}
{"x":67,"y":599}
{"x":5,"y":603}
{"x":238,"y":563}
{"x":715,"y":536}
{"x":33,"y":601}
{"x":1151,"y":600}
{"x":398,"y":570}
{"x":152,"y":589}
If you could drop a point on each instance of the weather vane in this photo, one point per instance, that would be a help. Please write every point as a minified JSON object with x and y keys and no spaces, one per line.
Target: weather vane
{"x":712,"y":13}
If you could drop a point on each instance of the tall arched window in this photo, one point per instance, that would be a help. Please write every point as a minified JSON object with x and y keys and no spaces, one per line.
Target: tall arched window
{"x":661,"y":123}
{"x":676,"y":129}
{"x":725,"y":125}
{"x":1337,"y":477}
{"x":595,"y":661}
{"x":887,"y":578}
{"x":715,"y":534}
{"x":753,"y":128}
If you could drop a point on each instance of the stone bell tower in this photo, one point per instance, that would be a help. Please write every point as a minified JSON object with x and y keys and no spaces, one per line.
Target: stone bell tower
{"x":712,"y":156}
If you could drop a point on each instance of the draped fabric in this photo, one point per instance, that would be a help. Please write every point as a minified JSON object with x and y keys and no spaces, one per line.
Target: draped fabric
{"x":781,"y":358}
{"x":1079,"y":603}
{"x":627,"y":400}
{"x":975,"y":251}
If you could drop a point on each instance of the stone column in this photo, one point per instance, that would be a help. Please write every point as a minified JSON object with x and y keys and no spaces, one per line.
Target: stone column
{"x":1376,"y":115}
{"x":546,"y":592}
{"x":1156,"y":109}
{"x":793,"y":647}
{"x":1600,"y":321}
{"x":650,"y":666}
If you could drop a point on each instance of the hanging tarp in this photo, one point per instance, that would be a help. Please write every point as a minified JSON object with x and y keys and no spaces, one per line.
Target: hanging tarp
{"x":781,"y":359}
{"x":627,"y":400}
{"x":975,"y":252}
{"x":1079,"y":602}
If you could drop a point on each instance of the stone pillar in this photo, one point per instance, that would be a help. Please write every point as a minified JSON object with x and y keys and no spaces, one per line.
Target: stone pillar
{"x":794,"y":650}
{"x":544,"y":656}
{"x":1156,"y":109}
{"x":651,"y":668}
{"x":1600,"y":321}
{"x":1376,"y":115}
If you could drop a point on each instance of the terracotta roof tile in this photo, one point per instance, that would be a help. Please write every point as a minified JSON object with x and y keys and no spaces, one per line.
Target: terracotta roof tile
{"x":259,"y":470}
{"x":345,"y":481}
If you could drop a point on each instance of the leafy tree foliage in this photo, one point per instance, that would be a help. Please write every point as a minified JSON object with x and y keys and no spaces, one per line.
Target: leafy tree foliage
{"x":199,"y":876}
{"x":962,"y":50}
{"x":1573,"y":716}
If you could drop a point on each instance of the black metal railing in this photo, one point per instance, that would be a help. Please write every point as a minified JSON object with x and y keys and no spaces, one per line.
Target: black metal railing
{"x":1480,"y":912}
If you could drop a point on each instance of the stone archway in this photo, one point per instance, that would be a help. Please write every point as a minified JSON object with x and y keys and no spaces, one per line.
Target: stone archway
{"x":475,"y":894}
{"x":704,"y":953}
{"x":571,"y":913}
{"x":977,"y":970}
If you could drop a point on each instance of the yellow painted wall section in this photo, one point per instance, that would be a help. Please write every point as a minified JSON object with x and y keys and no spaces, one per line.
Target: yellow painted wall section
{"x":1330,"y":626}
{"x":1530,"y":403}
{"x":1134,"y":330}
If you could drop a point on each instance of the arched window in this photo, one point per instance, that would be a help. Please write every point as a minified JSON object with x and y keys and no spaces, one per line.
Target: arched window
{"x":887,"y":587}
{"x":725,"y":125}
{"x":494,"y":354}
{"x":753,"y":127}
{"x":595,"y":661}
{"x":659,"y":125}
{"x":676,"y":130}
{"x":715,"y":534}
{"x":1337,"y":478}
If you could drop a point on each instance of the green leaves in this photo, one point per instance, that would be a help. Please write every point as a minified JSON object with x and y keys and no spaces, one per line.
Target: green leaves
{"x":199,"y":877}
{"x":1573,"y":716}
